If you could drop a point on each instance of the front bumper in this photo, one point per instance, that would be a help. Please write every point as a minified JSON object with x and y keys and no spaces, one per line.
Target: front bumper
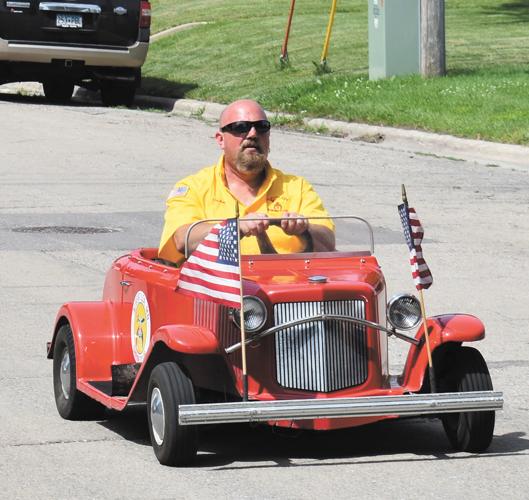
{"x":305,"y":409}
{"x":126,"y":57}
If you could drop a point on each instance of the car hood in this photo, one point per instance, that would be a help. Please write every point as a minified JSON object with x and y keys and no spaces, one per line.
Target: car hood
{"x":358,"y":276}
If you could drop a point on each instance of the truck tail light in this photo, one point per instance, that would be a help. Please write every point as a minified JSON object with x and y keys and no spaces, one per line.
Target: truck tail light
{"x":145,"y":14}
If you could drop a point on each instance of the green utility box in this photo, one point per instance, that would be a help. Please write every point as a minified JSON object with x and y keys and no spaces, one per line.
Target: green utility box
{"x":394,"y":38}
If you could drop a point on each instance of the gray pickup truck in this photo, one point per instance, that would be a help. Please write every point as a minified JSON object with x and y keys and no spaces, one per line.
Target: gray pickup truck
{"x":98,"y":45}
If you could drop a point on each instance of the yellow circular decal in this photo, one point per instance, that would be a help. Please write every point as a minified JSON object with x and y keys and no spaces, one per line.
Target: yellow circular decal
{"x":140,"y":326}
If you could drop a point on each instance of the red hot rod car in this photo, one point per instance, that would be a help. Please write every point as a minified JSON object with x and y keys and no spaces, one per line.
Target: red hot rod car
{"x":317,"y":328}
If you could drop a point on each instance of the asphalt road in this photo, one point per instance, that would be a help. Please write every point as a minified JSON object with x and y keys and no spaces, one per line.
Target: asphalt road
{"x":89,"y":167}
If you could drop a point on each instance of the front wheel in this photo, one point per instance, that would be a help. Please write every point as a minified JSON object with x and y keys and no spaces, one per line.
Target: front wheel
{"x":469,"y":431}
{"x":173,"y":444}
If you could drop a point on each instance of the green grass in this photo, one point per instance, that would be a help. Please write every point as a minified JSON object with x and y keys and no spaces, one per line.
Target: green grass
{"x":485,"y":94}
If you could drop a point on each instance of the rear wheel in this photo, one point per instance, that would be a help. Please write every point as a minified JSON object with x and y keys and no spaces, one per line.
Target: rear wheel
{"x":117,"y":93}
{"x":173,"y":444}
{"x":58,"y":91}
{"x":71,"y":403}
{"x":470,"y":431}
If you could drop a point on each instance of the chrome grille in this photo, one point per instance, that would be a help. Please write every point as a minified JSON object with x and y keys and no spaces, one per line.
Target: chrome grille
{"x":321,"y":356}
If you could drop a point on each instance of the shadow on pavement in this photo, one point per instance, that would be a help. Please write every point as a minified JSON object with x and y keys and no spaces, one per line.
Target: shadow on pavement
{"x":247,"y":446}
{"x":82,"y":97}
{"x":131,"y":424}
{"x":37,"y":99}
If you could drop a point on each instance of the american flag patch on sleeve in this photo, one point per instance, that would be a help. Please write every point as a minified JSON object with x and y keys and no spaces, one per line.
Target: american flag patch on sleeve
{"x":178,"y":191}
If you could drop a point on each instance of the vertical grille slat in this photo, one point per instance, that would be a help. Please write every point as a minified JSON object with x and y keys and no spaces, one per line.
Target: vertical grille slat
{"x":321,"y":356}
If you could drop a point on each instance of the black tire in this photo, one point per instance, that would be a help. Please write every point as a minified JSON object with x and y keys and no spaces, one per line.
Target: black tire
{"x":71,"y":403}
{"x":173,"y":444}
{"x":58,"y":91}
{"x":116,"y":93}
{"x":471,"y":431}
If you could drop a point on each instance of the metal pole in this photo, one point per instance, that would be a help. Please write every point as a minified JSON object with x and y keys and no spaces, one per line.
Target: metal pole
{"x":283,"y":58}
{"x":326,"y":43}
{"x":433,"y":55}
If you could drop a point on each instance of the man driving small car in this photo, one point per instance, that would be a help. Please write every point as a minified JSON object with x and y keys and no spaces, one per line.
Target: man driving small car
{"x":244,"y":182}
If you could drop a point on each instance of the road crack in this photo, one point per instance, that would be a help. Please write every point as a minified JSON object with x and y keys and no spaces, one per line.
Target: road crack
{"x":62,"y":441}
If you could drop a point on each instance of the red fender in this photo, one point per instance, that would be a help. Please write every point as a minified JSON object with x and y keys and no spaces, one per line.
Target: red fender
{"x":187,"y":339}
{"x":442,"y":329}
{"x":93,"y":327}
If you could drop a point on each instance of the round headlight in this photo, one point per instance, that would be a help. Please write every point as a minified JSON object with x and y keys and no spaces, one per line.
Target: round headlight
{"x":254,"y":314}
{"x":404,"y":312}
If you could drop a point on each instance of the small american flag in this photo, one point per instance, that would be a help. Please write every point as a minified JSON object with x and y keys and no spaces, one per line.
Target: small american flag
{"x":413,"y":233}
{"x":212,"y":270}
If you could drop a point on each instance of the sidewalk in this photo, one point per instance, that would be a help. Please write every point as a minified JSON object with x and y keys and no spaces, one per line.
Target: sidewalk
{"x":416,"y":142}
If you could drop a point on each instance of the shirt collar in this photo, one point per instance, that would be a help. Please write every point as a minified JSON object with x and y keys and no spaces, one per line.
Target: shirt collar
{"x":270,"y":177}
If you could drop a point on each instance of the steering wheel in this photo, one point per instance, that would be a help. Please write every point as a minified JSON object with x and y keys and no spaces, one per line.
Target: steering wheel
{"x":267,"y":247}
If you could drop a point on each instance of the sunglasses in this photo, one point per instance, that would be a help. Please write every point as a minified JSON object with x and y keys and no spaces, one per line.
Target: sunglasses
{"x":243,"y":127}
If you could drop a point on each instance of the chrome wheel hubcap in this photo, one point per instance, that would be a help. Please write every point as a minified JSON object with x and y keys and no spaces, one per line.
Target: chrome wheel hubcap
{"x":157,"y":416}
{"x":65,"y":374}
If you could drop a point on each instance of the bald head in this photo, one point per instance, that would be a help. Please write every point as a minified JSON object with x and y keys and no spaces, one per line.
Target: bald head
{"x":242,"y":110}
{"x":245,"y":152}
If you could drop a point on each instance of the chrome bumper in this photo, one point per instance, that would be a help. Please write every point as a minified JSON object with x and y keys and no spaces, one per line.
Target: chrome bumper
{"x":130,"y":57}
{"x":303,"y":409}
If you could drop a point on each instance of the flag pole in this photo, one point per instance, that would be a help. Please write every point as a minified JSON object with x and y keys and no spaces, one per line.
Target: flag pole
{"x":428,"y":350}
{"x":243,"y":328}
{"x":431,"y":374}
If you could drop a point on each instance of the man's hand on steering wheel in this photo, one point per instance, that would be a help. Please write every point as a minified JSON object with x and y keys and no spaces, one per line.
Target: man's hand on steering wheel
{"x":291,"y":223}
{"x":254,"y":227}
{"x":294,"y":224}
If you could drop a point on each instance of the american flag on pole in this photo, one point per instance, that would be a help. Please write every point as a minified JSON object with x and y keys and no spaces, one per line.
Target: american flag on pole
{"x":413,"y":233}
{"x":212,"y":270}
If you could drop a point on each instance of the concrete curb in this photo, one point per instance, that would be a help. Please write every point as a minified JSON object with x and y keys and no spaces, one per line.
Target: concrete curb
{"x":413,"y":141}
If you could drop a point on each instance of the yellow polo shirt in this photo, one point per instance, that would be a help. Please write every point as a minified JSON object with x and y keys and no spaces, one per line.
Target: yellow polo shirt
{"x":204,"y":195}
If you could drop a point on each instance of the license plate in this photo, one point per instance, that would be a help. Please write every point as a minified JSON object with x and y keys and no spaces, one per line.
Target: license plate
{"x":69,"y":20}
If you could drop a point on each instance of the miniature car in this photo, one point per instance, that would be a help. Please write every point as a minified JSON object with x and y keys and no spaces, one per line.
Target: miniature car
{"x":317,"y":327}
{"x":98,"y":44}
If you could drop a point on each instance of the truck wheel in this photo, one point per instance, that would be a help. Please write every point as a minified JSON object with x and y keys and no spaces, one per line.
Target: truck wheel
{"x":71,"y":403}
{"x":173,"y":443}
{"x":470,"y":431}
{"x":58,"y":91}
{"x":115,"y":93}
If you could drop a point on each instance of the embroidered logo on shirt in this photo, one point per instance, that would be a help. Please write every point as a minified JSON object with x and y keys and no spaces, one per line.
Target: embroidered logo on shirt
{"x":178,"y":191}
{"x":275,"y":203}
